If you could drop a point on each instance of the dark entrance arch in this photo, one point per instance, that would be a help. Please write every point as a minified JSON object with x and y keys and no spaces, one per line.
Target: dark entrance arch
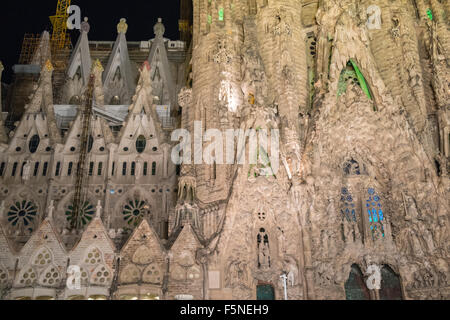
{"x":355,"y":288}
{"x":390,"y":285}
{"x":265,"y":291}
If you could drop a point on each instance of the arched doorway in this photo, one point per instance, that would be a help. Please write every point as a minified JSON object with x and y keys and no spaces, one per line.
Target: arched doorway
{"x":390,"y":285}
{"x":265,"y":291}
{"x":355,"y":288}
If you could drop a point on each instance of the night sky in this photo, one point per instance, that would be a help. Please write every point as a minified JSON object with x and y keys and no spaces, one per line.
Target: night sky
{"x":20,"y":17}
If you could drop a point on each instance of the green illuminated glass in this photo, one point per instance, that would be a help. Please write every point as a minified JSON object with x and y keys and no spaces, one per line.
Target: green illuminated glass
{"x":209,"y":19}
{"x":221,"y":14}
{"x":430,"y":14}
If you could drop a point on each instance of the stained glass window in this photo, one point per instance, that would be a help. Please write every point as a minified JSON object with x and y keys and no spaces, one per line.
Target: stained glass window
{"x":221,"y":13}
{"x":87,"y":212}
{"x":22,"y":213}
{"x":375,"y":214}
{"x":141,"y":143}
{"x":34,"y":143}
{"x":134,"y":211}
{"x":351,"y":167}
{"x":348,"y":207}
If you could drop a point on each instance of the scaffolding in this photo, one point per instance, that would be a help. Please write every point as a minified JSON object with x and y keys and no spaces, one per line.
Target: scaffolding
{"x":86,"y":114}
{"x":30,"y":44}
{"x":59,"y":22}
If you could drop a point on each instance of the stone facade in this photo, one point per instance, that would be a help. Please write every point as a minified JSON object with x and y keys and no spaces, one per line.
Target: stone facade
{"x":363,"y":116}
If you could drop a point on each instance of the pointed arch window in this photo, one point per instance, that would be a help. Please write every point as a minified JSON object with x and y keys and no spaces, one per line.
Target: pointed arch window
{"x":45,"y":169}
{"x":124,"y":169}
{"x":14,"y":169}
{"x":90,"y":143}
{"x":154,"y":169}
{"x":141,"y":143}
{"x":352,"y":73}
{"x":36,"y":168}
{"x":91,"y":168}
{"x":133,"y":168}
{"x":348,"y":207}
{"x":100,"y":168}
{"x":34,"y":143}
{"x":145,"y":168}
{"x":58,"y":168}
{"x":69,"y":169}
{"x":2,"y":168}
{"x":390,"y":285}
{"x":375,"y":214}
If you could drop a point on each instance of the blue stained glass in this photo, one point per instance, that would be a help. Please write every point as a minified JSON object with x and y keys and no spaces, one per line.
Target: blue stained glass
{"x":367,"y":205}
{"x":347,"y":211}
{"x":371,"y":191}
{"x":370,"y":216}
{"x":380,"y":213}
{"x":349,"y":199}
{"x":344,"y":191}
{"x":371,"y":227}
{"x":354,"y":215}
{"x":342,"y":199}
{"x":373,"y":203}
{"x":375,"y":215}
{"x":353,"y":205}
{"x":379,"y":205}
{"x":376,"y":198}
{"x":370,"y":199}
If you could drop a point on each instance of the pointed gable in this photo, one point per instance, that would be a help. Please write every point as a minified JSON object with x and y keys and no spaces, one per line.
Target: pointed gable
{"x":119,"y":66}
{"x":95,"y":252}
{"x":159,"y":62}
{"x":141,"y":118}
{"x":142,"y":257}
{"x":39,"y":116}
{"x":43,"y":259}
{"x":81,"y":57}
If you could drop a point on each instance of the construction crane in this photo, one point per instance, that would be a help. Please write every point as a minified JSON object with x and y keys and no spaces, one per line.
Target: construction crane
{"x":59,"y":22}
{"x":86,"y":114}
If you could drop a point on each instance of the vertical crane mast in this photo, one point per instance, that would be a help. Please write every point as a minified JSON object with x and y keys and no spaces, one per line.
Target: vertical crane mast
{"x":85,"y":123}
{"x":59,"y":22}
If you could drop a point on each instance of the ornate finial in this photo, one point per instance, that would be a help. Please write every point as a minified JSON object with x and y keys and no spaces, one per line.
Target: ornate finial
{"x":98,"y":212}
{"x":51,"y":208}
{"x":97,"y":66}
{"x":85,"y":27}
{"x":146,"y":65}
{"x":122,"y":27}
{"x":48,"y":66}
{"x":159,"y":29}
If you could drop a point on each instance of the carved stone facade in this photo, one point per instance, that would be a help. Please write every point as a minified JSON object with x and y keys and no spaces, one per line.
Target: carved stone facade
{"x":363,"y":182}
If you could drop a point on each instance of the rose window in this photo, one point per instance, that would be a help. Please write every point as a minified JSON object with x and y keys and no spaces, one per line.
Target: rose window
{"x":22,"y":214}
{"x":86,"y":215}
{"x":134,"y":211}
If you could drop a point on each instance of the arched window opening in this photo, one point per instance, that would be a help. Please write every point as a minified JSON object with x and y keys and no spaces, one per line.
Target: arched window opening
{"x":145,"y":168}
{"x":91,"y":168}
{"x":133,"y":168}
{"x":113,"y":169}
{"x":375,"y":214}
{"x":14,"y":169}
{"x":348,"y":208}
{"x":124,"y":169}
{"x":355,"y":288}
{"x":390,"y":285}
{"x":351,"y":167}
{"x":263,"y":249}
{"x":34,"y":143}
{"x":154,"y":169}
{"x":58,"y":168}
{"x":141,"y":143}
{"x":100,"y":168}
{"x":69,"y":169}
{"x":90,"y":143}
{"x":352,"y":74}
{"x":36,"y":169}
{"x":2,"y":168}
{"x":44,"y":170}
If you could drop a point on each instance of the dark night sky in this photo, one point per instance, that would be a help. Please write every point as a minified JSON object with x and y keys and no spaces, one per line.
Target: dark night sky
{"x":20,"y":17}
